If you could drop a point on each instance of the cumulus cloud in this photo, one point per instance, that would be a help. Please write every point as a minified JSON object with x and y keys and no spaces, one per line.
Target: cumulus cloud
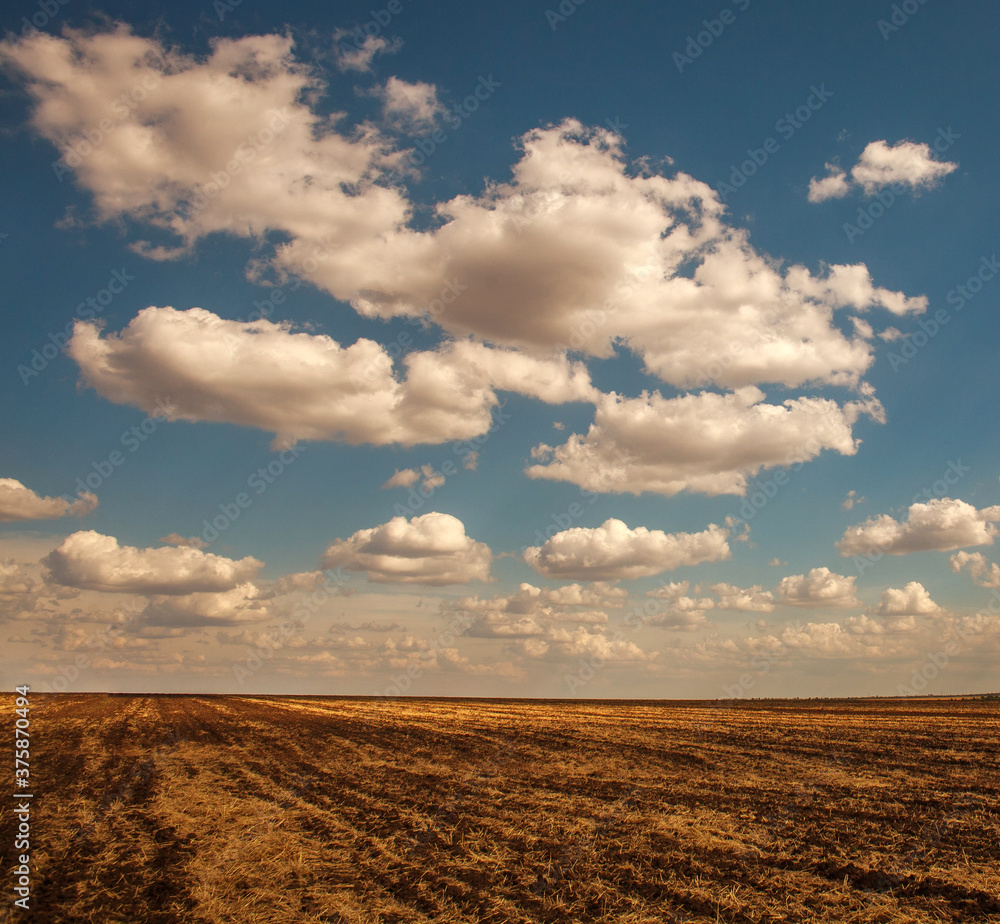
{"x":820,"y":587}
{"x":880,"y":164}
{"x":832,"y":186}
{"x":410,"y":107}
{"x":911,"y":600}
{"x":302,"y":386}
{"x":241,"y":604}
{"x":939,"y":525}
{"x":613,"y":551}
{"x":985,"y":574}
{"x":18,"y":502}
{"x":430,"y":549}
{"x":906,"y":162}
{"x":744,"y":599}
{"x":90,"y":561}
{"x":851,"y":501}
{"x":697,"y":442}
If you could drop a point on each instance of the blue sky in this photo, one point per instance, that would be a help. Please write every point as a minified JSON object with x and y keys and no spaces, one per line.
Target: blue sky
{"x":681,"y":319}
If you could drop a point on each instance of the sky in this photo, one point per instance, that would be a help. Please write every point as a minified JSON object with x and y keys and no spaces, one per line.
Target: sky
{"x":506,"y":349}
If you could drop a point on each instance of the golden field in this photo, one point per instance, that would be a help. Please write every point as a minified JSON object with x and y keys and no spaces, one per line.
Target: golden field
{"x":210,"y":809}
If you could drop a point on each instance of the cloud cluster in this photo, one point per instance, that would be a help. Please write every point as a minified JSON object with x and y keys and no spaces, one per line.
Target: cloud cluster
{"x":820,"y":587}
{"x":985,"y":574}
{"x":18,"y":502}
{"x":613,"y":551}
{"x":431,"y":549}
{"x":905,"y":163}
{"x":941,"y":524}
{"x":532,"y":611}
{"x":580,"y":250}
{"x":680,"y":612}
{"x":88,"y":560}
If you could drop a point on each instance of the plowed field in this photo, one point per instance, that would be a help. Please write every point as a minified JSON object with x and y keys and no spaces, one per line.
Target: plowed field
{"x":268,"y":809}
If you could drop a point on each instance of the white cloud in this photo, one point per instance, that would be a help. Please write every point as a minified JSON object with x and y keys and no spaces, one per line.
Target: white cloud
{"x":429,"y":479}
{"x":940,"y":525}
{"x":612,"y":551}
{"x":584,"y":642}
{"x":429,"y":549}
{"x":906,"y":162}
{"x":911,"y":600}
{"x":230,"y":607}
{"x":985,"y":574}
{"x":410,"y":107}
{"x":821,"y":587}
{"x":744,"y":599}
{"x":698,"y":442}
{"x":851,"y":501}
{"x":88,"y":560}
{"x":404,"y":478}
{"x":832,"y":186}
{"x":362,"y":54}
{"x":20,"y":503}
{"x":302,"y":386}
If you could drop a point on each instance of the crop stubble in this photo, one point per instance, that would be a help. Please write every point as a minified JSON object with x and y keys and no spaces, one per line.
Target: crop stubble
{"x":293,"y":809}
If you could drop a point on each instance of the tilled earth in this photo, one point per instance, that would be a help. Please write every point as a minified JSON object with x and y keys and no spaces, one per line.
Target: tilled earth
{"x":289,"y":809}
